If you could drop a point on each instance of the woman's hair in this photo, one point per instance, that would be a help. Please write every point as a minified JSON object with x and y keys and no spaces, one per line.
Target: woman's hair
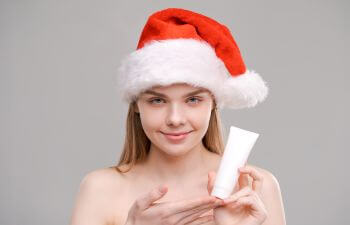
{"x":137,"y":145}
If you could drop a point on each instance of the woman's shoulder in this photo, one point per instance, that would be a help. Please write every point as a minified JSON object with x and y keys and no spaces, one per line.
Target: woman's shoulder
{"x":101,"y":183}
{"x":108,"y":177}
{"x":97,"y":197}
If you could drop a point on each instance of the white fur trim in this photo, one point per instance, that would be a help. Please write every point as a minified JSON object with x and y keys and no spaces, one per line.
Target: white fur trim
{"x":189,"y":61}
{"x":245,"y":91}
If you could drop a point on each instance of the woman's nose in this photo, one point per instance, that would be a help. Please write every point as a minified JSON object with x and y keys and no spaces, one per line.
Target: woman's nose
{"x":175,"y":116}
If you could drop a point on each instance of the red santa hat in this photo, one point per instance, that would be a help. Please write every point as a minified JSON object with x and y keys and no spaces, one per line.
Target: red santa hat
{"x":181,"y":46}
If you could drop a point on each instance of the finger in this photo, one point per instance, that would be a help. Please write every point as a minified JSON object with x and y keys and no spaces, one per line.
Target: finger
{"x":217,"y":203}
{"x":211,"y":180}
{"x":193,"y":212}
{"x":251,"y":202}
{"x":203,"y":220}
{"x":256,"y":175}
{"x":243,"y":180}
{"x":208,"y":184}
{"x":184,"y":205}
{"x":146,"y":200}
{"x":193,"y":215}
{"x":243,"y":192}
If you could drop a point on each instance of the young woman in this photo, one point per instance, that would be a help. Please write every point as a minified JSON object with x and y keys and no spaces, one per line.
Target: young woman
{"x":174,"y":143}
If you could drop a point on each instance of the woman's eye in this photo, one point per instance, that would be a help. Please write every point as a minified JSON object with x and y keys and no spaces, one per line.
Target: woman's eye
{"x":155,"y":100}
{"x":197,"y":100}
{"x":158,"y":101}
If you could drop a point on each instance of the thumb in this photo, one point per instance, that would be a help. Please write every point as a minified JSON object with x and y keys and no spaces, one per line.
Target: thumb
{"x":155,"y":194}
{"x":211,"y":180}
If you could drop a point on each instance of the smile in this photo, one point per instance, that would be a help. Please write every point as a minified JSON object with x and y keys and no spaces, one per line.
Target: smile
{"x":176,"y":137}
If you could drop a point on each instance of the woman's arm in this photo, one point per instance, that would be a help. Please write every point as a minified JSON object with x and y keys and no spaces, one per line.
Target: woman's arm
{"x":272,"y":198}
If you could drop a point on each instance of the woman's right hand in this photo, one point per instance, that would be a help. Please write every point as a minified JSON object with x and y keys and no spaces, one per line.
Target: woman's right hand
{"x":144,"y":211}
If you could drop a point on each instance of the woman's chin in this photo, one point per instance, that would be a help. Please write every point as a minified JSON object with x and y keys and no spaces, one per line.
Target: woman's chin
{"x":176,"y":150}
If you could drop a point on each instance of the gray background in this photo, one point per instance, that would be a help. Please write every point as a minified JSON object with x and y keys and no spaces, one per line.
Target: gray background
{"x":61,"y":117}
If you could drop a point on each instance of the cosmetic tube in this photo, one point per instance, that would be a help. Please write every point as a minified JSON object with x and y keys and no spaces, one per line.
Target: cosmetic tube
{"x":239,"y":144}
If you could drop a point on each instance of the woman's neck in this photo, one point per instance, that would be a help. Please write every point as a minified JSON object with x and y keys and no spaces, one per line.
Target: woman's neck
{"x":169,"y":169}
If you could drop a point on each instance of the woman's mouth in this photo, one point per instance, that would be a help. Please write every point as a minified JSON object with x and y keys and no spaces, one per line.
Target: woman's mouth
{"x":176,"y":137}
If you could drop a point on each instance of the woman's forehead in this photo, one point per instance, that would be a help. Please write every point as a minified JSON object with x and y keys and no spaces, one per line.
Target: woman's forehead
{"x":176,"y":89}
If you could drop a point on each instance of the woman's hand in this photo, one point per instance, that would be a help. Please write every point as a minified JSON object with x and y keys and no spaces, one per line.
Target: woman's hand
{"x":145,"y":211}
{"x":244,"y":207}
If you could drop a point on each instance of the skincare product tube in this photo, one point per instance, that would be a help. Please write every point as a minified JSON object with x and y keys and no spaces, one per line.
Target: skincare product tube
{"x":237,"y":149}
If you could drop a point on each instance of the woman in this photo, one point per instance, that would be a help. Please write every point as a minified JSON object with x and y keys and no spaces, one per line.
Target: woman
{"x":186,"y":67}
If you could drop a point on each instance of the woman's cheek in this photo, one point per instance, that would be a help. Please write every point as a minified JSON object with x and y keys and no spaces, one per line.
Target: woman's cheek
{"x":151,"y":120}
{"x":200,"y":116}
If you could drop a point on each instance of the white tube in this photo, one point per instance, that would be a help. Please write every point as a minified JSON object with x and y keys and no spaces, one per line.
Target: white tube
{"x":237,"y":149}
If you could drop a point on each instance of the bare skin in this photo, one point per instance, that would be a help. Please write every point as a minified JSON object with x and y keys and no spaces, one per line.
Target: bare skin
{"x":119,"y":191}
{"x":113,"y":194}
{"x":177,"y":190}
{"x":106,"y":196}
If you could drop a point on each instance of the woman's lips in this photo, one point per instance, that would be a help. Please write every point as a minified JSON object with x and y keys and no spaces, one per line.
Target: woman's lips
{"x":176,"y":137}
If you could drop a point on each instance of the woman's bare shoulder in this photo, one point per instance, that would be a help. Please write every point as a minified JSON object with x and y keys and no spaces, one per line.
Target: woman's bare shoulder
{"x":101,"y":180}
{"x":103,"y":176}
{"x":96,"y":195}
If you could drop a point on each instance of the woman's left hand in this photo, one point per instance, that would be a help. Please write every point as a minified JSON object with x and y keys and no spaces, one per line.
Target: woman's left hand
{"x":243,"y":207}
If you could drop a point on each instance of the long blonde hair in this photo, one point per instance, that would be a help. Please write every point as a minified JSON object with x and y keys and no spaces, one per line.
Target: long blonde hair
{"x":137,"y":145}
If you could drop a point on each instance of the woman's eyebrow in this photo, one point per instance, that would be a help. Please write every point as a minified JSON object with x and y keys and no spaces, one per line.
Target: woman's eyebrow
{"x":164,"y":96}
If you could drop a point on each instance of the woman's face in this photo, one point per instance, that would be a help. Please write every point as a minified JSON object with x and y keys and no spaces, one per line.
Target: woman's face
{"x":178,"y":108}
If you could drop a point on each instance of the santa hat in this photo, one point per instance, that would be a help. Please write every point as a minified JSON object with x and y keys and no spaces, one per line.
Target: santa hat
{"x":181,"y":46}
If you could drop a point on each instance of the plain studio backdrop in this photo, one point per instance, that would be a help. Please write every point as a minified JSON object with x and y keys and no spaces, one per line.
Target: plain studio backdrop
{"x":61,"y":116}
